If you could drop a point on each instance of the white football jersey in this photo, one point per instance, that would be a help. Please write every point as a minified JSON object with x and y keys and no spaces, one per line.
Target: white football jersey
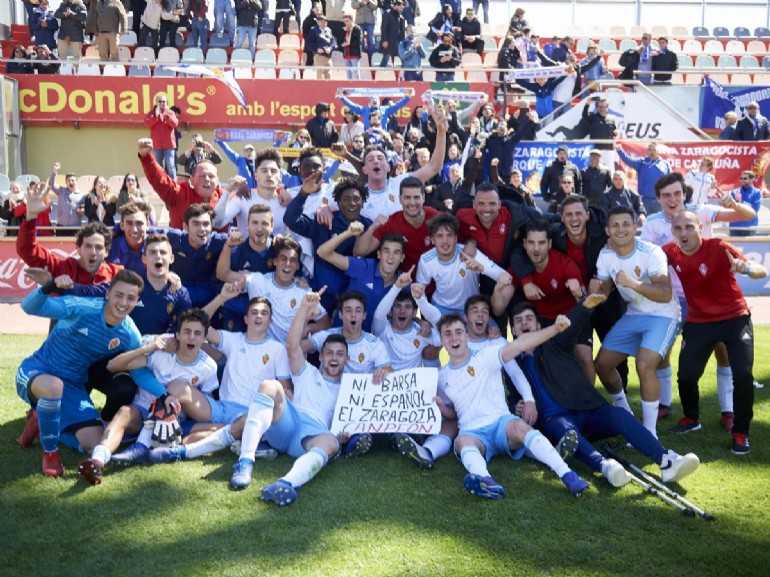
{"x":201,"y":374}
{"x":315,"y":394}
{"x":365,"y":355}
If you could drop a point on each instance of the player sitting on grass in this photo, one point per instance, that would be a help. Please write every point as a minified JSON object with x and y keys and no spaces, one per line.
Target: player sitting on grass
{"x":471,"y":390}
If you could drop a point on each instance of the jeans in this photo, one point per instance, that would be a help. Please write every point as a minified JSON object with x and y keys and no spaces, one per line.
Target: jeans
{"x":243,"y":32}
{"x":165,"y":157}
{"x":445,"y":76}
{"x":149,"y":37}
{"x":485,"y":5}
{"x":224,"y":17}
{"x":199,"y":30}
{"x":368,"y":29}
{"x":352,"y":66}
{"x":386,"y":58}
{"x":413,"y":76}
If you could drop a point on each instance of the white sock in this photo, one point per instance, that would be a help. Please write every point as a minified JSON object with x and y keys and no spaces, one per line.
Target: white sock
{"x":473,"y":462}
{"x":145,"y":435}
{"x":306,"y":467}
{"x":665,"y":378}
{"x":102,"y":454}
{"x":620,"y":400}
{"x":258,"y":421}
{"x":216,"y":441}
{"x":650,"y":416}
{"x":725,"y":388}
{"x":539,"y":448}
{"x":438,"y":445}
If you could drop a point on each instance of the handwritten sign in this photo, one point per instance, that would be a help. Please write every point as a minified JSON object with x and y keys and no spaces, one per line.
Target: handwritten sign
{"x":402,"y":403}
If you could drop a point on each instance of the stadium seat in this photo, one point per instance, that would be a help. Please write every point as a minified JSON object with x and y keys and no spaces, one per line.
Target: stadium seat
{"x":576,"y":31}
{"x":762,"y":79}
{"x":766,"y":62}
{"x":92,"y":54}
{"x":472,"y":59}
{"x":627,"y":44}
{"x":338,"y":59}
{"x":86,"y":69}
{"x":179,"y":40}
{"x":86,"y":182}
{"x":128,"y":39}
{"x":477,"y":76}
{"x":377,"y":58}
{"x":124,"y":54}
{"x":241,"y":71}
{"x":713,"y":47}
{"x":168,"y":55}
{"x":289,"y":42}
{"x":741,"y":79}
{"x":597,"y":32}
{"x":139,"y":70}
{"x":677,"y":79}
{"x":608,"y":45}
{"x":618,"y":31}
{"x":685,"y":61}
{"x":756,"y":47}
{"x":115,"y":182}
{"x":264,"y":73}
{"x":5,"y":183}
{"x":265,"y":41}
{"x":658,"y":31}
{"x":701,"y":32}
{"x":192,"y":56}
{"x":721,"y":32}
{"x":163,"y":72}
{"x":486,"y":29}
{"x":310,"y":73}
{"x":114,"y":70}
{"x":727,"y":61}
{"x":692,"y":46}
{"x":749,"y":62}
{"x":680,"y":32}
{"x":289,"y":73}
{"x":294,"y":27}
{"x":144,"y":54}
{"x":637,"y":31}
{"x":288,"y":57}
{"x":219,"y":40}
{"x":490,"y":45}
{"x":582,"y":45}
{"x":694,"y":79}
{"x":762,"y":32}
{"x":705,"y":61}
{"x":674,"y":45}
{"x":741,"y":32}
{"x":723,"y":79}
{"x":338,"y":74}
{"x":613,"y":61}
{"x":216,"y":57}
{"x":386,"y":75}
{"x":243,"y":56}
{"x":263,"y":57}
{"x":735,"y":47}
{"x":67,"y":69}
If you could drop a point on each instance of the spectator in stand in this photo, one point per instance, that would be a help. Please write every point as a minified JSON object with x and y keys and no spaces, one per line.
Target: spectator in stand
{"x":646,"y":54}
{"x":21,"y":63}
{"x":199,"y":24}
{"x":284,"y":10}
{"x":12,"y":209}
{"x":599,"y":125}
{"x":551,"y":46}
{"x":335,"y":13}
{"x":445,"y":57}
{"x":43,"y":25}
{"x":310,"y":22}
{"x":198,"y":151}
{"x":72,"y":14}
{"x":411,"y":10}
{"x":169,"y":22}
{"x":522,"y":42}
{"x":752,"y":196}
{"x":100,"y":205}
{"x":753,"y":126}
{"x":248,"y":18}
{"x":69,"y":207}
{"x":149,"y":34}
{"x":517,"y":21}
{"x":594,"y":72}
{"x":321,"y":43}
{"x":470,"y":33}
{"x":618,"y":194}
{"x":664,"y":61}
{"x":202,"y":188}
{"x":563,"y":50}
{"x":550,"y":184}
{"x":111,"y":22}
{"x":445,"y":21}
{"x":728,"y":132}
{"x":485,"y":5}
{"x":162,"y":123}
{"x":322,"y":131}
{"x":648,"y":169}
{"x":358,"y":146}
{"x":392,"y":32}
{"x":702,"y":182}
{"x":595,"y":178}
{"x":411,"y":53}
{"x":130,"y":192}
{"x":508,"y":57}
{"x":351,"y":128}
{"x":385,"y":109}
{"x":543,"y":89}
{"x":224,"y":17}
{"x":351,"y":46}
{"x":516,"y":183}
{"x":533,"y":48}
{"x":366,"y":18}
{"x":136,"y":7}
{"x":245,"y":164}
{"x":42,"y":62}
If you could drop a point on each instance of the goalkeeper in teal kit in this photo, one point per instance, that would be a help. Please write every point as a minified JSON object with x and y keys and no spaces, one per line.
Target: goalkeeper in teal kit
{"x":53,"y":378}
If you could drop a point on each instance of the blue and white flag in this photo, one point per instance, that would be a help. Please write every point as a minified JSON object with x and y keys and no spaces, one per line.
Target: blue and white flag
{"x":226,"y":76}
{"x":718,"y":100}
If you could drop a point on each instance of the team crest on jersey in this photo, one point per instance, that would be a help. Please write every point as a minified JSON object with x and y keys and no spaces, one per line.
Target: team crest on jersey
{"x":265,"y":359}
{"x":677,"y":269}
{"x":114,"y":344}
{"x":361,"y":357}
{"x":703,"y":269}
{"x":391,"y":198}
{"x":195,"y":380}
{"x":462,"y":272}
{"x":502,"y":228}
{"x":293,"y":303}
{"x":472,"y":228}
{"x":208,"y":256}
{"x":169,"y":307}
{"x":270,"y":263}
{"x":229,"y":325}
{"x":324,"y":200}
{"x":554,"y":284}
{"x":637,"y":271}
{"x":416,"y":343}
{"x":427,"y":241}
{"x":472,"y":371}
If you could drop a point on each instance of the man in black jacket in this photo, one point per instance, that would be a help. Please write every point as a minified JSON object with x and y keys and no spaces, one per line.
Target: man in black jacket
{"x":596,"y":178}
{"x":664,"y":60}
{"x":322,"y":131}
{"x":445,"y":57}
{"x":470,"y":33}
{"x":550,"y":183}
{"x":392,"y":32}
{"x":753,"y":126}
{"x":566,"y":401}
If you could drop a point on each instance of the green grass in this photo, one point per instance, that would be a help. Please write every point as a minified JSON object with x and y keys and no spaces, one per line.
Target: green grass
{"x":380,"y":516}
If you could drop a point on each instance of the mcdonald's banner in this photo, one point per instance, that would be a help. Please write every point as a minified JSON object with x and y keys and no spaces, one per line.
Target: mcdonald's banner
{"x":94,"y":100}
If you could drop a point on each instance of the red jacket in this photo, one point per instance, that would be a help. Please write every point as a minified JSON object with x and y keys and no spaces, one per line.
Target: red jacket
{"x":162,"y":128}
{"x":177,"y":197}
{"x":36,"y":256}
{"x":490,"y":241}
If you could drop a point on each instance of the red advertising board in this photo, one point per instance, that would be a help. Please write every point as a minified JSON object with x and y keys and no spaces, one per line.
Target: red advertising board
{"x":45,"y":100}
{"x":13,"y":286}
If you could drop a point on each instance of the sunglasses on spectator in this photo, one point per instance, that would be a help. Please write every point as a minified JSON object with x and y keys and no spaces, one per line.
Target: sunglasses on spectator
{"x":130,"y":180}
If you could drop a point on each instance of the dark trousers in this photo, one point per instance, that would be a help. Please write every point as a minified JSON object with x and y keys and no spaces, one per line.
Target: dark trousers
{"x":602,"y":423}
{"x":168,"y":33}
{"x":119,"y":388}
{"x":281,"y":24}
{"x":698,"y":340}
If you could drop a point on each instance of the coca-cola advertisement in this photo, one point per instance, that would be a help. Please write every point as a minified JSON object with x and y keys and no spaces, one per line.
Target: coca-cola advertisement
{"x":13,"y":285}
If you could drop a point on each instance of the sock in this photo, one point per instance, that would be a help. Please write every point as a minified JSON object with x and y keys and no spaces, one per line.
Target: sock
{"x":539,"y":448}
{"x":217,"y":441}
{"x":306,"y":467}
{"x":665,"y":378}
{"x":432,"y":363}
{"x":438,"y":445}
{"x":145,"y":435}
{"x":650,"y":416}
{"x":620,"y":401}
{"x":473,"y":462}
{"x":258,"y":420}
{"x":725,"y":388}
{"x":102,"y":454}
{"x":48,"y":417}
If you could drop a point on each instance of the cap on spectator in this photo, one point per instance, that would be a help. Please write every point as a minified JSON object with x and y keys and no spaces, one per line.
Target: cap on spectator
{"x":595,"y":151}
{"x":248,"y":147}
{"x":563,"y":148}
{"x":321,"y":17}
{"x":321,"y":107}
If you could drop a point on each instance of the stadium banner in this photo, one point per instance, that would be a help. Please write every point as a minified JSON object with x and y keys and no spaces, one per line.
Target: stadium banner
{"x":401,"y":403}
{"x":13,"y":285}
{"x":717,"y":99}
{"x":636,"y":114}
{"x":46,"y":100}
